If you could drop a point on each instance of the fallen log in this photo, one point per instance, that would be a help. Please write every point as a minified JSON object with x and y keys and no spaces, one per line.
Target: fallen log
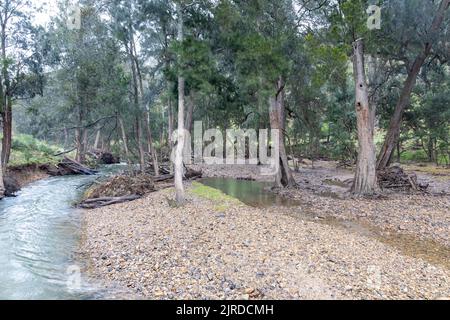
{"x":192,"y":174}
{"x":75,"y":167}
{"x":163,"y":170}
{"x":106,"y":201}
{"x":163,"y":178}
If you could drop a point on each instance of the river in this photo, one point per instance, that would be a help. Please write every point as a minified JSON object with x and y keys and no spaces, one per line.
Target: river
{"x":40,"y":231}
{"x":39,"y":236}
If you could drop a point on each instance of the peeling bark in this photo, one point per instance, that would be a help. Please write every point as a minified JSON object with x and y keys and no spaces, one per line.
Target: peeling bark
{"x":365,"y":182}
{"x":284,"y":176}
{"x":179,"y":188}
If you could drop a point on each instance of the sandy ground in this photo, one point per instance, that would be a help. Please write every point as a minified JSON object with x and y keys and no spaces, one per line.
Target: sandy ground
{"x":227,"y":250}
{"x":322,"y":191}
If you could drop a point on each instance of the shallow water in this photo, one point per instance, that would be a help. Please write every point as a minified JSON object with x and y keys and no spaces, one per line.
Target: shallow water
{"x":252,"y":193}
{"x":39,"y":235}
{"x":255,"y":194}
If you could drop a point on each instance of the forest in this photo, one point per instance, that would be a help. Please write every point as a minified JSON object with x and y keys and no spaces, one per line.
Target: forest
{"x":209,"y":136}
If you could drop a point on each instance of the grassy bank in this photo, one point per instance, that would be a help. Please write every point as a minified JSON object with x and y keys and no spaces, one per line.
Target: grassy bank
{"x":27,"y":150}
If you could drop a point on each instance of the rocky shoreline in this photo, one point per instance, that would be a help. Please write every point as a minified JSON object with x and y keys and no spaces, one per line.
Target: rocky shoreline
{"x":223,"y":249}
{"x":323,"y":192}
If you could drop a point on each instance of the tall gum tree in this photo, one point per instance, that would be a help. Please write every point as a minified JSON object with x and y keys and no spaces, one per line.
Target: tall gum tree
{"x":393,"y":133}
{"x":365,"y":182}
{"x":17,"y":37}
{"x":178,"y":163}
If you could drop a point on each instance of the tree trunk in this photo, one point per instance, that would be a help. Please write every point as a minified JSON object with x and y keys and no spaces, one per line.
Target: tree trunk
{"x":189,"y":113}
{"x":151,"y":149}
{"x":393,"y":133}
{"x":140,"y":146}
{"x":7,"y":132}
{"x":66,"y":137}
{"x":284,"y":176}
{"x":2,"y":184}
{"x":97,"y":139}
{"x":170,"y":125}
{"x":80,"y":143}
{"x":85,"y":142}
{"x":124,"y":140}
{"x":6,"y":101}
{"x":180,"y":141}
{"x":365,"y":182}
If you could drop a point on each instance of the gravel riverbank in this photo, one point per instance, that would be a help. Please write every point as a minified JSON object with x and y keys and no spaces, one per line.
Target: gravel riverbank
{"x":223,"y":249}
{"x":322,"y":191}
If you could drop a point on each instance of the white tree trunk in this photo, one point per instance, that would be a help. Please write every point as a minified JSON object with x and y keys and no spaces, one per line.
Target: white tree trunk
{"x":124,"y":139}
{"x":365,"y":182}
{"x":97,"y":139}
{"x":180,"y":132}
{"x":150,"y":148}
{"x":284,"y":177}
{"x":2,"y":184}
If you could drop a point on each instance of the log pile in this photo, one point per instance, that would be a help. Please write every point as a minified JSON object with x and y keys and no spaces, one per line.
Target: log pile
{"x":122,"y":185}
{"x":128,"y":187}
{"x":395,"y":178}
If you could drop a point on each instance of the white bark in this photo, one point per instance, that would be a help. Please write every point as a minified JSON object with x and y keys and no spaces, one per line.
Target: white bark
{"x":2,"y":184}
{"x":97,"y":139}
{"x":124,"y":139}
{"x":180,"y":132}
{"x":365,"y":182}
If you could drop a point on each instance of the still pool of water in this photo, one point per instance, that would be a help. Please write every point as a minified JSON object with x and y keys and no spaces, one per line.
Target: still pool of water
{"x":252,"y":193}
{"x":256,"y":194}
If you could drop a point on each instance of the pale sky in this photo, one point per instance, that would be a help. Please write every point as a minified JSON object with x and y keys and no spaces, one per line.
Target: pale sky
{"x":50,"y":8}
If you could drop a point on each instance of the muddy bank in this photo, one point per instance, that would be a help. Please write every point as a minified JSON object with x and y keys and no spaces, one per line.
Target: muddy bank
{"x":18,"y":177}
{"x":219,"y":248}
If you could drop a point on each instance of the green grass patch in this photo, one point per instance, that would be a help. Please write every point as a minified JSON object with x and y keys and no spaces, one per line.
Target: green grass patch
{"x":222,"y":200}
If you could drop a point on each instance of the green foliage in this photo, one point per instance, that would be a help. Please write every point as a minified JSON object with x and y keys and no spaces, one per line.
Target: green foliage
{"x":28,"y":150}
{"x":209,"y":193}
{"x":232,"y":56}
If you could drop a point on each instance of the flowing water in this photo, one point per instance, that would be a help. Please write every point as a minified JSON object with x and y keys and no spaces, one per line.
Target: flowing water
{"x":40,"y":233}
{"x":256,"y":194}
{"x":39,"y":236}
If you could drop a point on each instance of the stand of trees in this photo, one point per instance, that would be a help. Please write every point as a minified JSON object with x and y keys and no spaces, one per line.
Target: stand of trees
{"x":137,"y":69}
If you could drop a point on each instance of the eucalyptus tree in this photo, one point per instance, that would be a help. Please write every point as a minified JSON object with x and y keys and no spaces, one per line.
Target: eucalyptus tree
{"x":130,"y":23}
{"x":85,"y":63}
{"x":417,"y":31}
{"x":21,"y":63}
{"x":258,"y":34}
{"x":347,"y":24}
